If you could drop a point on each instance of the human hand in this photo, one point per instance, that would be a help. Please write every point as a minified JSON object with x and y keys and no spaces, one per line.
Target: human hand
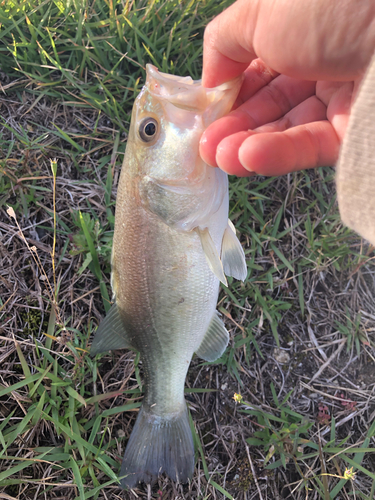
{"x":302,"y":63}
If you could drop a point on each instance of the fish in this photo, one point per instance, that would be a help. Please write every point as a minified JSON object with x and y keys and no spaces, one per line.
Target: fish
{"x":173,"y":244}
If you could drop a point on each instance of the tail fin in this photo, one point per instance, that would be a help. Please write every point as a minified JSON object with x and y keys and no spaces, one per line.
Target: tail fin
{"x":158,"y":445}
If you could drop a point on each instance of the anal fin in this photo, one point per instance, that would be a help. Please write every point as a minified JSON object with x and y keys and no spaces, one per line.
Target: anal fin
{"x":215,"y":340}
{"x":232,"y":254}
{"x":211,"y":254}
{"x":111,"y":333}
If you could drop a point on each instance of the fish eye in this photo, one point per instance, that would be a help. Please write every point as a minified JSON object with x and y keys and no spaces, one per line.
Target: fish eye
{"x":148,"y":129}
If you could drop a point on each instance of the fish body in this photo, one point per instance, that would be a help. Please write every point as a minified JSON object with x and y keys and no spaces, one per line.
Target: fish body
{"x":172,"y":246}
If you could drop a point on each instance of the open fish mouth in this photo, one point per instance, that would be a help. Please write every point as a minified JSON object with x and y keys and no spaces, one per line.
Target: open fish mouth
{"x":186,"y":93}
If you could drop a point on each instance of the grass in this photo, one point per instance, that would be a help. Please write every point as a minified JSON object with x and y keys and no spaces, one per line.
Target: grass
{"x":301,"y":355}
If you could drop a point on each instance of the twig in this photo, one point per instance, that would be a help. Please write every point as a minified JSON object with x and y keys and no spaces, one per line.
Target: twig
{"x":253,"y":470}
{"x":314,"y":339}
{"x":329,"y":360}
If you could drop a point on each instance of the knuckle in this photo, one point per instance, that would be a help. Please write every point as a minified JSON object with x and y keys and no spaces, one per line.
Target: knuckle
{"x":209,"y":32}
{"x":284,"y":123}
{"x":277,"y":97}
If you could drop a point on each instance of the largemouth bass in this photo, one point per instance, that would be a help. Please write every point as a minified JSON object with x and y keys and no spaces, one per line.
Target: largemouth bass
{"x":172,"y":246}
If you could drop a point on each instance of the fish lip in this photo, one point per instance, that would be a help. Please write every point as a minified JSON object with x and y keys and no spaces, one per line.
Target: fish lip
{"x":153,"y":72}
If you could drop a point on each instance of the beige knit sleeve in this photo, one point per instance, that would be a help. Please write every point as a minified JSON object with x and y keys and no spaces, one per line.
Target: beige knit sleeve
{"x":355,"y":176}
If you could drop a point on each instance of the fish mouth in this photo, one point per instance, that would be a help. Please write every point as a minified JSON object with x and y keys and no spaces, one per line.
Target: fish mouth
{"x":188,"y":94}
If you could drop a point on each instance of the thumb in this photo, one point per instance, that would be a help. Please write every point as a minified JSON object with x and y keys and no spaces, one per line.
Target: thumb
{"x":227,"y":44}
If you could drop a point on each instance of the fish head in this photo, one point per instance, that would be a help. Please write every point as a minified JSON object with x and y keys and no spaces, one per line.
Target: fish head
{"x":168,"y":119}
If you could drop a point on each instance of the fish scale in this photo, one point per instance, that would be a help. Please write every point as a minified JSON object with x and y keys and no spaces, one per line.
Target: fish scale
{"x":172,"y":246}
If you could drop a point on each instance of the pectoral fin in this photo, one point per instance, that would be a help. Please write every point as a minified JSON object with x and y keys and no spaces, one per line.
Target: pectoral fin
{"x":232,"y":254}
{"x":212,"y":255}
{"x":215,"y":340}
{"x":111,"y":333}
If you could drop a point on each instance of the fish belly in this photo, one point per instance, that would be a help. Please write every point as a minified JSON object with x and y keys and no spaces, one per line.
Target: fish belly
{"x":169,"y":295}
